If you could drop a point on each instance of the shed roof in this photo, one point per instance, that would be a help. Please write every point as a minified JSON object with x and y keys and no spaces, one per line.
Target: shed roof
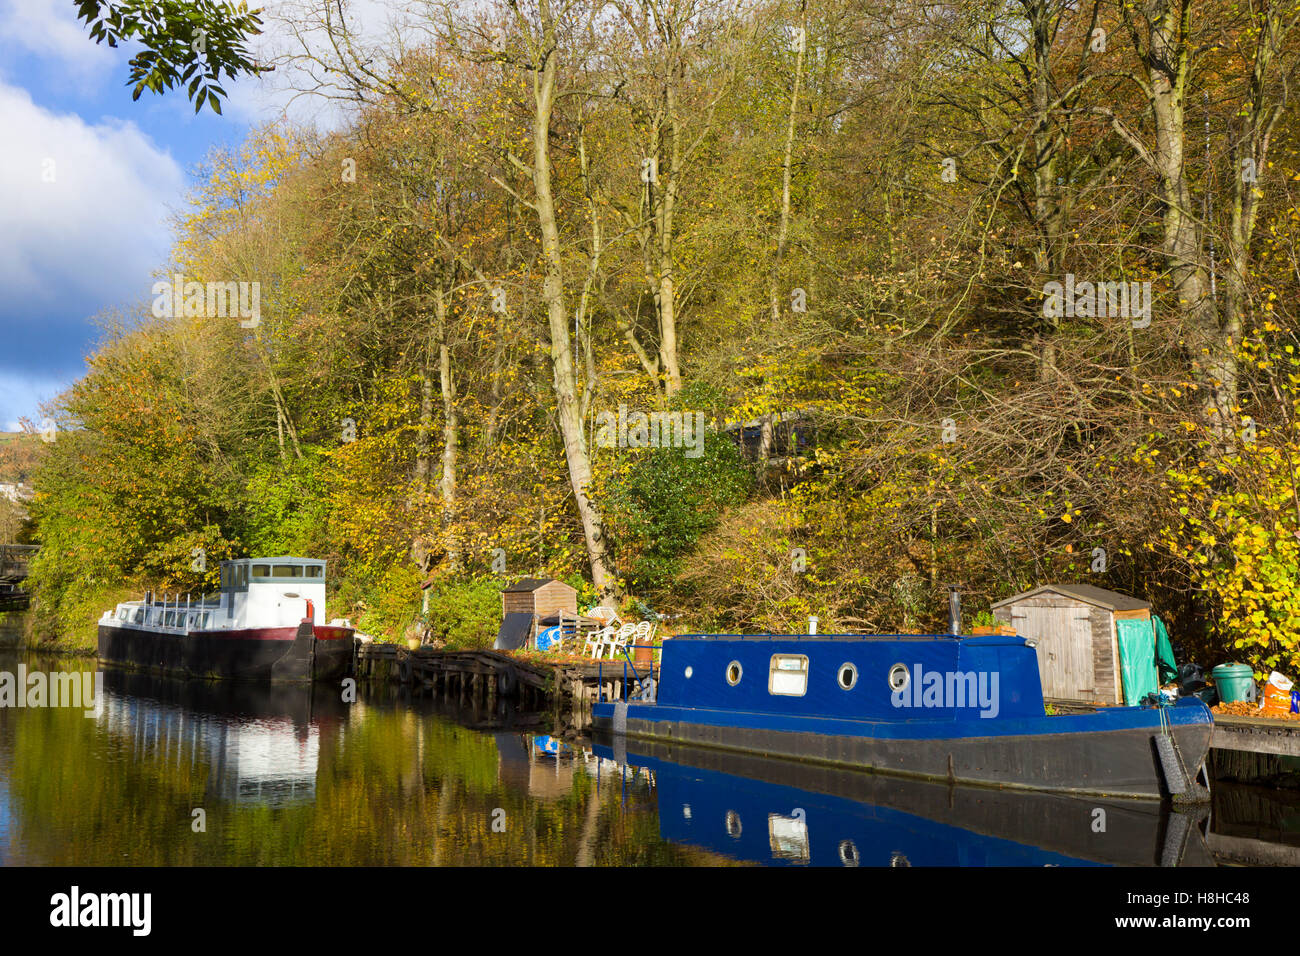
{"x":1088,"y":594}
{"x":532,"y":584}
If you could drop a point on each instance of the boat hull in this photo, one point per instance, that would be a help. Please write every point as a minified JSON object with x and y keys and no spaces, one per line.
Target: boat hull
{"x":301,"y":653}
{"x":1109,"y":753}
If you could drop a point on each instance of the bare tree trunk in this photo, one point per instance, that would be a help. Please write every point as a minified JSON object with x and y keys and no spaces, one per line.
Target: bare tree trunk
{"x":1250,"y":161}
{"x":1167,"y":58}
{"x":582,"y":321}
{"x":423,"y":430}
{"x":764,"y":444}
{"x":666,"y":294}
{"x":562,"y":364}
{"x":787,"y":161}
{"x":492,"y":425}
{"x":450,"y":427}
{"x":1049,"y":252}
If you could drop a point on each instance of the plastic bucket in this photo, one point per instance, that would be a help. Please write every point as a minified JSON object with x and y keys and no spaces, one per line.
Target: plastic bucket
{"x":1234,"y":682}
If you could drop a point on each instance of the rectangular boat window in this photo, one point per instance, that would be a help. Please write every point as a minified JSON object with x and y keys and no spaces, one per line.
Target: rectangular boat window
{"x":139,"y":615}
{"x":287,"y":571}
{"x":788,"y":675}
{"x":241,"y":579}
{"x":788,"y":837}
{"x":261,"y":570}
{"x":315,"y":571}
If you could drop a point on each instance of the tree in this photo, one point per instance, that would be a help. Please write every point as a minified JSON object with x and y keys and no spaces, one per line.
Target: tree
{"x":190,"y":42}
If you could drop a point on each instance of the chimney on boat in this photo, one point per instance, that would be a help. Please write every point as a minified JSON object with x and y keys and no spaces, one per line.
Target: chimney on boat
{"x":954,"y":612}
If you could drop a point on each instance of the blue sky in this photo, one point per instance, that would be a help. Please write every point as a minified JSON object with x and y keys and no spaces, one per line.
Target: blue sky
{"x":89,"y":181}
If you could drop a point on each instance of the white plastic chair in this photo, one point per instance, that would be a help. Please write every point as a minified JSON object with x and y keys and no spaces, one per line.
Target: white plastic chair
{"x":596,"y":641}
{"x":606,"y":615}
{"x":618,"y":643}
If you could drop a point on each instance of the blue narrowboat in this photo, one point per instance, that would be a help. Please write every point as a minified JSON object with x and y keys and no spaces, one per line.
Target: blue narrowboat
{"x":965,"y":710}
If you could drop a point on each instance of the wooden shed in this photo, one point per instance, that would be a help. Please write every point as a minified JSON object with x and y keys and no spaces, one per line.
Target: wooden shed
{"x":537,"y":598}
{"x":1078,"y":646}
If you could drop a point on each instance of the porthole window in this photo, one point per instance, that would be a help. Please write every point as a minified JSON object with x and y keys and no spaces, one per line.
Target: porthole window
{"x":734,"y":670}
{"x":733,"y":824}
{"x":898,"y":677}
{"x":847,"y":676}
{"x":689,"y":670}
{"x":849,"y":853}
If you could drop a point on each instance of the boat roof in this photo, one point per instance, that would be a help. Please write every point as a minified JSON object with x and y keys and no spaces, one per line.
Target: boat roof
{"x":1087,"y":593}
{"x":279,"y":557}
{"x":813,"y":638}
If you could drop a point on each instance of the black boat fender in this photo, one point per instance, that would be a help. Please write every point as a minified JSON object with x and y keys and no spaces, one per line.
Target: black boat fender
{"x":1181,"y":784}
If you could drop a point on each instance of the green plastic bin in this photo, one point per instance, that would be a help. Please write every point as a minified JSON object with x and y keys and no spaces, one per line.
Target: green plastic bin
{"x":1234,"y":682}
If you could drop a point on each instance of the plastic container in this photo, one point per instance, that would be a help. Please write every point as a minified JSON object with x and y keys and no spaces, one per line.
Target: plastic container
{"x":1279,"y":696}
{"x":1234,"y":682}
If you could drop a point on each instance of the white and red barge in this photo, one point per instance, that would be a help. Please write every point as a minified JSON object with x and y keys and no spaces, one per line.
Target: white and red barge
{"x":266,"y":623}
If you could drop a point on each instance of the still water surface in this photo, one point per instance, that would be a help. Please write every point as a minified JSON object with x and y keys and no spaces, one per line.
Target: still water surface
{"x":175,"y":773}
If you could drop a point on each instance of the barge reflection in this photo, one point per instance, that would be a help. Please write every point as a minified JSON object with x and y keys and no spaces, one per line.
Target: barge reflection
{"x":778,"y":812}
{"x":261,"y":744}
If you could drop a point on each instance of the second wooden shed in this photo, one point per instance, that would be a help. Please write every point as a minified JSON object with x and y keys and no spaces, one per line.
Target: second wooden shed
{"x":1074,"y":628}
{"x":537,"y":598}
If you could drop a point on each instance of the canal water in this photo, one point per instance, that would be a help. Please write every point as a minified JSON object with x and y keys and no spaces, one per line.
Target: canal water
{"x":170,"y":773}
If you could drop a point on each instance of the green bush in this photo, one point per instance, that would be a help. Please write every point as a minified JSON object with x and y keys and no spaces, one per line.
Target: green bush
{"x":286,"y":507}
{"x":394,"y":603}
{"x":466,"y":614}
{"x":659,"y":502}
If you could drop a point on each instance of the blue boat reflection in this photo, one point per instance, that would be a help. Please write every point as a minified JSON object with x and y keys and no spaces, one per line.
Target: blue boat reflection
{"x":782,"y":813}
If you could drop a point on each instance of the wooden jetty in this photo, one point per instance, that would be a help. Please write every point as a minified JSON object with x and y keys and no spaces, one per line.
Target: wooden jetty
{"x":1260,"y":735}
{"x":488,"y":675}
{"x":1256,"y":735}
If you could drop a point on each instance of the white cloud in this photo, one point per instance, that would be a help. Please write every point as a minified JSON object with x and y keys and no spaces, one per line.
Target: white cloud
{"x":50,"y":28}
{"x":92,"y":237}
{"x":101,"y":219}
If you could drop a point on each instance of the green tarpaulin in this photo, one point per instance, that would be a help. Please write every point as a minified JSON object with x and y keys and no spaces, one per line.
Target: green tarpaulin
{"x":1137,"y":658}
{"x":1164,"y":652}
{"x":1141,"y":644}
